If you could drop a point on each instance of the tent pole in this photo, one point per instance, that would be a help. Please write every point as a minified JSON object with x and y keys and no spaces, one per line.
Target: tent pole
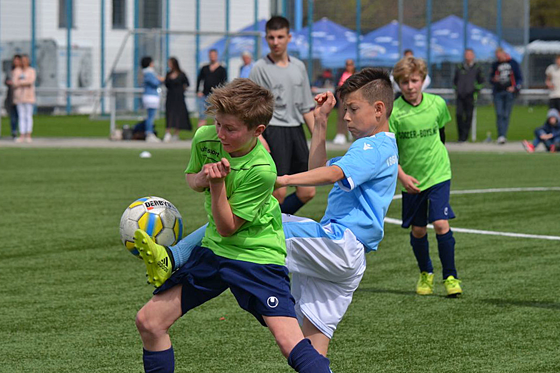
{"x":310,"y":39}
{"x":465,"y":23}
{"x":358,"y":32}
{"x":401,"y":16}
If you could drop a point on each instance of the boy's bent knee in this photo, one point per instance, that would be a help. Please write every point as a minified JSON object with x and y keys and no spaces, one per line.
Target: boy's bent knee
{"x":145,"y":324}
{"x":305,"y":194}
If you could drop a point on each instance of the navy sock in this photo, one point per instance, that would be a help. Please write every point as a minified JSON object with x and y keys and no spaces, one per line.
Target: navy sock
{"x":291,"y":204}
{"x":159,"y":361}
{"x":305,"y":359}
{"x":446,"y":248}
{"x":421,"y":249}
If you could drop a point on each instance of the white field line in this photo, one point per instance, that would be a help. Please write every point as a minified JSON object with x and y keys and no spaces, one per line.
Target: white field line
{"x":491,"y":233}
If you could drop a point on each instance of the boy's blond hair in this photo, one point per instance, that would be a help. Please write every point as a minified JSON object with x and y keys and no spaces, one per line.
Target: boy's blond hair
{"x":245,"y":100}
{"x":408,"y":66}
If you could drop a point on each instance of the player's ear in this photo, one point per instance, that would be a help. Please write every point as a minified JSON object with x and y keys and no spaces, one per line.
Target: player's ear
{"x":379,"y":108}
{"x":259,"y":130}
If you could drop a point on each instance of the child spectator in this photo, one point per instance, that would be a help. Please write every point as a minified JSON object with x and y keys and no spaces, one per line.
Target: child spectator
{"x":418,"y":121}
{"x":548,"y":133}
{"x":150,"y":98}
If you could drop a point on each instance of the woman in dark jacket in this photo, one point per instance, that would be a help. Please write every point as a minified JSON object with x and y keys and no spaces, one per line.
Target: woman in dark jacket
{"x":176,"y":113}
{"x":11,"y":108}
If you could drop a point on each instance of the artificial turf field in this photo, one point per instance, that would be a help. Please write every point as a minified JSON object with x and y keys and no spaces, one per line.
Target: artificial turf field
{"x":71,"y":291}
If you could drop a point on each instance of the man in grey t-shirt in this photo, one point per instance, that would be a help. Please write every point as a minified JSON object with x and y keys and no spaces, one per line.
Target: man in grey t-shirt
{"x":287,"y":79}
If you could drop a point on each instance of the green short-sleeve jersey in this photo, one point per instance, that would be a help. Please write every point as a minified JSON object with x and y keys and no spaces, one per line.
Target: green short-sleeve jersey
{"x":422,"y":154}
{"x":249,"y":188}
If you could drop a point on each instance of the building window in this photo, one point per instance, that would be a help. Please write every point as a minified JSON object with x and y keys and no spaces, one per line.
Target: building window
{"x":62,"y":13}
{"x":119,"y":14}
{"x":150,"y":13}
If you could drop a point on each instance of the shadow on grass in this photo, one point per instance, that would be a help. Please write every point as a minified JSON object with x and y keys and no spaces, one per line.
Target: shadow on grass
{"x":521,"y":303}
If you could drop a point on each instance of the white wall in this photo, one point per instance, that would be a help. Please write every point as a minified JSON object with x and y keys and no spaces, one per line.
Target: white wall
{"x":15,"y":24}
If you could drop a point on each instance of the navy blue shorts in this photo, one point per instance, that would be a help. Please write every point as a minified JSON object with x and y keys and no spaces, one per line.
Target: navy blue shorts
{"x":261,"y":289}
{"x":428,"y":206}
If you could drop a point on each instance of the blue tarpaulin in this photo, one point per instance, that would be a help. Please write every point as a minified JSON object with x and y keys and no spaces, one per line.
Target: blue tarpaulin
{"x":328,"y":38}
{"x":449,"y":32}
{"x":333,"y":43}
{"x":239,"y":44}
{"x":381,"y":47}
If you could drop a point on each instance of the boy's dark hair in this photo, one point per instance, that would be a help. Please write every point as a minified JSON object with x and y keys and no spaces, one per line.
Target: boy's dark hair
{"x":277,"y":23}
{"x":213,"y":50}
{"x":406,"y":51}
{"x":245,"y":100}
{"x":145,"y":61}
{"x":374,"y":84}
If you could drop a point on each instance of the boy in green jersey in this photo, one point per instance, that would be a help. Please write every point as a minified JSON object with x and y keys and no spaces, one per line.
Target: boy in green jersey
{"x":243,"y":248}
{"x":418,"y":121}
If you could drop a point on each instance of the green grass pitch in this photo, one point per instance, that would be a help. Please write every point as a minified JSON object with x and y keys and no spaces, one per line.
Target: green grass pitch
{"x":71,"y":291}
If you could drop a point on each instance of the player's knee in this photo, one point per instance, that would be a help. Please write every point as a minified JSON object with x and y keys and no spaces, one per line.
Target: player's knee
{"x":148,"y":327}
{"x":441,"y":226}
{"x":280,"y":195}
{"x":419,"y":232}
{"x":306,"y":194}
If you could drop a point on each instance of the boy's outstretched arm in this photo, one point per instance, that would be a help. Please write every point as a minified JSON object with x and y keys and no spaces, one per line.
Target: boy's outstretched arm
{"x":227,"y":223}
{"x":319,"y":176}
{"x":318,"y":152}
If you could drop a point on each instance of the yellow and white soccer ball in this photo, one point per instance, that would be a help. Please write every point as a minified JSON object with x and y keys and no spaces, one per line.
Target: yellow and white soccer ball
{"x":156,"y":216}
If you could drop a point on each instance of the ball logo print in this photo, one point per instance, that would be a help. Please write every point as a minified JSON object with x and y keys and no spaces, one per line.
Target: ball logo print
{"x":156,"y":216}
{"x":272,"y":302}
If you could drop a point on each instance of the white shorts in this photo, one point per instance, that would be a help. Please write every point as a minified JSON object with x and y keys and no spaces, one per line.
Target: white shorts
{"x":150,"y":101}
{"x":325,"y":271}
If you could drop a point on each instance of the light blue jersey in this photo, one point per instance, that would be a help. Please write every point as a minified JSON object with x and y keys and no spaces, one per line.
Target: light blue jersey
{"x":360,"y":201}
{"x":357,"y":203}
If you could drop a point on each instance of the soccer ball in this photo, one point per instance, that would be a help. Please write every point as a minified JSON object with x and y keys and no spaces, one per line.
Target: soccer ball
{"x":155,"y":216}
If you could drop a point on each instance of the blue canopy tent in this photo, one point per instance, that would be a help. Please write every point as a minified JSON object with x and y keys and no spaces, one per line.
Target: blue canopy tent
{"x":328,"y":38}
{"x":238,"y":44}
{"x":449,"y":32}
{"x":381,"y":47}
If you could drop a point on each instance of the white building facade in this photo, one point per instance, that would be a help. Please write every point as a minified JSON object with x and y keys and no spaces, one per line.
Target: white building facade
{"x":120,"y":49}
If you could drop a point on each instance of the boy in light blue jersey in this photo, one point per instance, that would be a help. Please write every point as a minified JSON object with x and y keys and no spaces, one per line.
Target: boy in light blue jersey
{"x":327,"y":259}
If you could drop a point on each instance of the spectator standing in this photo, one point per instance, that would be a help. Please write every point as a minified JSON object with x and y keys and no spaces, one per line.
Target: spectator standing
{"x":553,"y":83}
{"x":24,"y":97}
{"x":248,"y":63}
{"x":548,"y":133}
{"x":287,"y":79}
{"x":506,"y":79}
{"x":176,"y":113}
{"x":150,"y":98}
{"x":9,"y":104}
{"x":467,"y":82}
{"x":211,"y":75}
{"x":341,"y":129}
